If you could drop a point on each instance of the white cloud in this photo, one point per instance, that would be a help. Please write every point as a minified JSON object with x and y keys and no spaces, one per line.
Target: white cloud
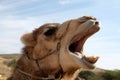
{"x":68,"y":1}
{"x":10,"y":45}
{"x":118,"y":31}
{"x":13,"y":27}
{"x":109,"y":61}
{"x":107,"y":50}
{"x":103,"y":44}
{"x":14,"y":22}
{"x":3,"y":7}
{"x":12,"y":4}
{"x":11,"y":30}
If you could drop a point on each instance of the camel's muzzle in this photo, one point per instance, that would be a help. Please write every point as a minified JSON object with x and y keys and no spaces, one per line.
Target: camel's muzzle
{"x":78,"y":41}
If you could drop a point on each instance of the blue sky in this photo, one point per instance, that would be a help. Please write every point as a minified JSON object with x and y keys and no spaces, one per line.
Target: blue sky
{"x":21,"y":16}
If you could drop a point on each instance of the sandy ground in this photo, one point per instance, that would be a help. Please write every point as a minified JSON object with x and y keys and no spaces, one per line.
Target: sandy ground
{"x":5,"y":71}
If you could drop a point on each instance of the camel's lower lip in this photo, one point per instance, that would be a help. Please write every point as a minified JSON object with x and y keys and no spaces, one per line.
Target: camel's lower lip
{"x":87,"y":59}
{"x":88,"y":63}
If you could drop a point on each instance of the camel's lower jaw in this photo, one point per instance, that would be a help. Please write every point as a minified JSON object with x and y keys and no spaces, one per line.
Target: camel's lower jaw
{"x":83,"y":61}
{"x":90,"y":61}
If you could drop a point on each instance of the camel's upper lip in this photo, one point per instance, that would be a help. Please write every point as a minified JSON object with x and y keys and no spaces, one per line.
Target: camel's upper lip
{"x":77,"y":42}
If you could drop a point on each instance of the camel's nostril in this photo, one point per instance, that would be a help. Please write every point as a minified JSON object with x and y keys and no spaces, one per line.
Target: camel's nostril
{"x":97,"y":22}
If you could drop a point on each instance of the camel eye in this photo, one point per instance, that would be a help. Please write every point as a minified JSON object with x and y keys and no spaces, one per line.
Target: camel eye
{"x":50,"y":32}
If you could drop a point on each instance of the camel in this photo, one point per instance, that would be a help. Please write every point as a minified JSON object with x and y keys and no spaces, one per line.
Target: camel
{"x":54,"y":51}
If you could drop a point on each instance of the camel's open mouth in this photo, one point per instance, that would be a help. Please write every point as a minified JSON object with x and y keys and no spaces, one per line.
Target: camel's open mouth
{"x":77,"y":43}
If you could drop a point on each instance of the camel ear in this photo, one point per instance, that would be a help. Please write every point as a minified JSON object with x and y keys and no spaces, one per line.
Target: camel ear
{"x":28,"y":39}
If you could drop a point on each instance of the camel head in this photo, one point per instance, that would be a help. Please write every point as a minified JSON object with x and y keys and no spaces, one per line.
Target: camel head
{"x":61,"y":45}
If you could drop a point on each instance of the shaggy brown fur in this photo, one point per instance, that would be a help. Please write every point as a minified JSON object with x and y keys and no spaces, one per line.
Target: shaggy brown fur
{"x":51,"y":51}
